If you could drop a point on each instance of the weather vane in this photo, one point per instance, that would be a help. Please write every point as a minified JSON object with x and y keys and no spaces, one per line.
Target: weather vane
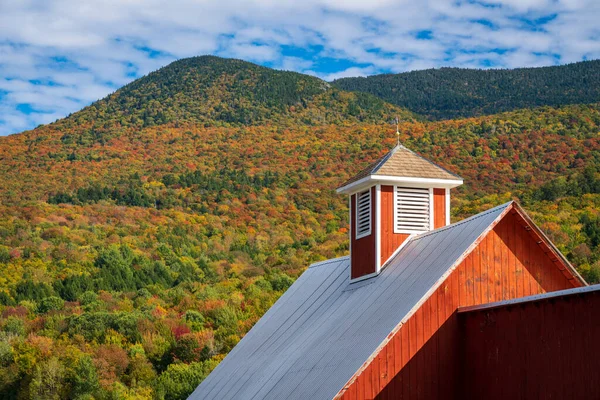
{"x":397,"y":131}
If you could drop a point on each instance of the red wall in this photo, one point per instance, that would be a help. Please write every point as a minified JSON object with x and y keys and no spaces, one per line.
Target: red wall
{"x":390,"y":241}
{"x":362,"y":251}
{"x":421,"y":359}
{"x":439,"y":208}
{"x":544,"y":349}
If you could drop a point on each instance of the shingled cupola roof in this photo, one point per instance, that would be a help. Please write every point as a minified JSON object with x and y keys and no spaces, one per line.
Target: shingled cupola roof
{"x":401,"y":164}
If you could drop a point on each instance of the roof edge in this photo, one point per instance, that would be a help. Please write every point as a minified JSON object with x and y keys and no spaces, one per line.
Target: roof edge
{"x":533,"y":298}
{"x":372,"y":179}
{"x":329,"y":261}
{"x":372,"y":169}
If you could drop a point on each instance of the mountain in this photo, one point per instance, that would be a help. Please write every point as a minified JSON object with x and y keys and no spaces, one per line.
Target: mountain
{"x":447,"y":93}
{"x":214,"y":91}
{"x":134,"y":254}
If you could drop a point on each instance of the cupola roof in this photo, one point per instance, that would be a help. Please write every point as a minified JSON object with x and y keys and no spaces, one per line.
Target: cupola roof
{"x":404,"y":166}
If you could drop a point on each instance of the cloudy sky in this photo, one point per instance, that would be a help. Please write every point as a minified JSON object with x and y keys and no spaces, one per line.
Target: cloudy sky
{"x":57,"y":56}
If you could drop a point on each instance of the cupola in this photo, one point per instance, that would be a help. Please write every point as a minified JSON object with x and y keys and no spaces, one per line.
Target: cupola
{"x":399,"y":195}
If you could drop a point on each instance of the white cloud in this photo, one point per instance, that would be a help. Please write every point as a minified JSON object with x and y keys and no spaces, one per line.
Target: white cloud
{"x":352,"y":71}
{"x":57,"y":56}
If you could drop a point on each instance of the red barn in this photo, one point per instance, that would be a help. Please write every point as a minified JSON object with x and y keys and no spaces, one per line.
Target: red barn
{"x":423,"y":309}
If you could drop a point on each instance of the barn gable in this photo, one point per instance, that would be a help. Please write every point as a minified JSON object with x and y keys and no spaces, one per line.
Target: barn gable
{"x":510,"y":259}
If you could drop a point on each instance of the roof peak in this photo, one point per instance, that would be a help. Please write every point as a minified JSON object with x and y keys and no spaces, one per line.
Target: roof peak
{"x":401,"y":163}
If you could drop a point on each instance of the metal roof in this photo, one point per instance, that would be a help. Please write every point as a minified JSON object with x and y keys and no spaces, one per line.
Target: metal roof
{"x":322,"y":330}
{"x":403,"y":162}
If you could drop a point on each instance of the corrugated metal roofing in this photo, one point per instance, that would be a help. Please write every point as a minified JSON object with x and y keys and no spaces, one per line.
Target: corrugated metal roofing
{"x":402,"y":162}
{"x":321,"y":331}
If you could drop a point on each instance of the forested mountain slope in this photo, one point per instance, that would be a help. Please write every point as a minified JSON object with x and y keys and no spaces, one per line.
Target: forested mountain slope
{"x":134,"y":255}
{"x":214,"y":91}
{"x":446,"y":93}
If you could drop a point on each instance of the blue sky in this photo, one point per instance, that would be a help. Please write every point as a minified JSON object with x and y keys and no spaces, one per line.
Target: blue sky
{"x":57,"y":56}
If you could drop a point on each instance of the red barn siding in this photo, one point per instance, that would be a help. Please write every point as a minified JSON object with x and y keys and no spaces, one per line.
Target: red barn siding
{"x":422,"y":358}
{"x":533,"y":350}
{"x":390,"y":241}
{"x":439,"y":208}
{"x":362,"y":250}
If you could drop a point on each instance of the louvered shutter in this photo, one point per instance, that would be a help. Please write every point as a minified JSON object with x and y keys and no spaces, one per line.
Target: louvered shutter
{"x":363,"y":214}
{"x":412,"y":210}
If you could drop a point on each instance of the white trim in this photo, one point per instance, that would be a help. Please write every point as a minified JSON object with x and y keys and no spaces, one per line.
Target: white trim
{"x":350,"y":229}
{"x":447,"y":206}
{"x":363,"y":277}
{"x":377,"y":228}
{"x":398,"y":180}
{"x":366,"y":233}
{"x":394,"y":204}
{"x":431,"y":207}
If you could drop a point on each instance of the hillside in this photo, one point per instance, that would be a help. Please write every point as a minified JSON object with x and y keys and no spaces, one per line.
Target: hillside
{"x":447,"y":93}
{"x":213,"y":91}
{"x":134,"y":256}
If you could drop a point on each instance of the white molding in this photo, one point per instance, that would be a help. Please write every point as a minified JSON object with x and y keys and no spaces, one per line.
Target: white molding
{"x":408,"y":181}
{"x":362,"y":278}
{"x":447,"y":206}
{"x":367,"y":233}
{"x":431,"y":207}
{"x":350,"y":229}
{"x":395,"y":205}
{"x":377,"y":228}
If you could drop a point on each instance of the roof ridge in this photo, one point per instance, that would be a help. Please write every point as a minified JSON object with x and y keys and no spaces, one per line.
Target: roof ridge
{"x":463,"y":221}
{"x":385,"y":158}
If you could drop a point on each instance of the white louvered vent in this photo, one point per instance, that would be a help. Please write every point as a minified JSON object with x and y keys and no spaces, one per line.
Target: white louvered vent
{"x":412,"y":210}
{"x":363,"y":214}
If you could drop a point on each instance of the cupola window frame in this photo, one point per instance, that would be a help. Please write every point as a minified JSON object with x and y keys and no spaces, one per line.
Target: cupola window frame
{"x":364,"y":214}
{"x":413,"y":210}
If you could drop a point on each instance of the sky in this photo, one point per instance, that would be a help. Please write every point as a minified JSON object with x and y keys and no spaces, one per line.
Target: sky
{"x":57,"y":56}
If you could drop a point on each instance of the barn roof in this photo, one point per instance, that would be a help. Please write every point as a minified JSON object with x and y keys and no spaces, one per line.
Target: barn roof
{"x":324,"y":328}
{"x":403,"y":163}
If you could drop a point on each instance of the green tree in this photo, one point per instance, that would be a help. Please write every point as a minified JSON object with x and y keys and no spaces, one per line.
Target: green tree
{"x":51,"y":303}
{"x":180,"y":380}
{"x":84,"y":382}
{"x":47,"y":382}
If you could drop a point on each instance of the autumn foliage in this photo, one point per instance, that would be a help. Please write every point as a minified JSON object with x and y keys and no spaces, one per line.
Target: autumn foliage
{"x":136,"y":252}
